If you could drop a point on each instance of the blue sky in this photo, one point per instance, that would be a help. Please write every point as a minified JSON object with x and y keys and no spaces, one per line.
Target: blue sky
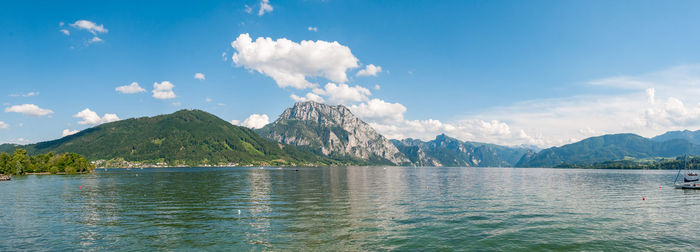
{"x":508,"y":72}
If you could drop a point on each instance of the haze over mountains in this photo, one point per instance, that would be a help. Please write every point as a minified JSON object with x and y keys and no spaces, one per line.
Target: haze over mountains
{"x":311,"y":133}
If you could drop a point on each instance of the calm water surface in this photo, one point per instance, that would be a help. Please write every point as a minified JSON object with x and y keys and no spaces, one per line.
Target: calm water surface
{"x":356,"y":208}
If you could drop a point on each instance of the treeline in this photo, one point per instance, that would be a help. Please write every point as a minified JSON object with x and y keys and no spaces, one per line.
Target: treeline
{"x":20,"y":163}
{"x":660,"y":164}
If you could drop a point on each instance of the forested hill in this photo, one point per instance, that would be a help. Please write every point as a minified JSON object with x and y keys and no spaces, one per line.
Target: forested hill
{"x":184,"y":137}
{"x":608,"y":148}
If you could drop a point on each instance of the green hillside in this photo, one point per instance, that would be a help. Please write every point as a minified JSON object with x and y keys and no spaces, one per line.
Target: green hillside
{"x":191,"y":137}
{"x":607,"y":148}
{"x":691,"y":136}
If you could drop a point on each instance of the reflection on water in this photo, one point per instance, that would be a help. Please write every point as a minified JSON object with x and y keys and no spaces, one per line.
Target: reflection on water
{"x":354,"y":208}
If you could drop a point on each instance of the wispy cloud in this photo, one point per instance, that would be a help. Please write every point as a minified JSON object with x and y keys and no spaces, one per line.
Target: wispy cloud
{"x":29,"y":109}
{"x":265,"y":7}
{"x":89,"y":26}
{"x":30,"y":94}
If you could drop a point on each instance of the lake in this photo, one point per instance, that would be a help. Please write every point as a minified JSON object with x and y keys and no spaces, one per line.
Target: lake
{"x":354,"y":208}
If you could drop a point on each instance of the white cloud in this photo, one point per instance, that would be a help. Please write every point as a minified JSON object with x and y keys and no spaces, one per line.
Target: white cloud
{"x":290,"y":63}
{"x":343,"y":93}
{"x":4,"y":125}
{"x":493,"y":131}
{"x":256,"y":121}
{"x":176,"y":104}
{"x":21,"y":141}
{"x":651,"y":93}
{"x":89,"y":26}
{"x":132,"y":88}
{"x":236,"y":122}
{"x":223,"y":56}
{"x":248,"y":9}
{"x":370,"y":70}
{"x":207,"y":99}
{"x":199,"y":76}
{"x":66,"y":32}
{"x":60,"y":24}
{"x":29,"y":109}
{"x":90,"y":117}
{"x":95,"y":39}
{"x":163,"y":90}
{"x":647,"y":104}
{"x":67,"y":132}
{"x":264,"y":7}
{"x":379,"y":110}
{"x":377,"y":87}
{"x":25,"y":95}
{"x":307,"y":97}
{"x":313,"y":29}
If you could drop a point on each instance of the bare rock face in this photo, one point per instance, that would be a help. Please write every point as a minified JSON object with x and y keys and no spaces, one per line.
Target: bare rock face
{"x":333,"y":131}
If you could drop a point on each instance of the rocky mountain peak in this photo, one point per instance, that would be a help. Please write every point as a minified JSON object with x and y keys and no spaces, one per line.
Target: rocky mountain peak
{"x":318,"y":112}
{"x":332,"y":130}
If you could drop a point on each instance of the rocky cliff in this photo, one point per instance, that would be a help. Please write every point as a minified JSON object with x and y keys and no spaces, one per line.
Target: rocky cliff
{"x":332,"y":131}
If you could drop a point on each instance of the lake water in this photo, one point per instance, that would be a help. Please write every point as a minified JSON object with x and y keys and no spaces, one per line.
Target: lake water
{"x":355,"y":208}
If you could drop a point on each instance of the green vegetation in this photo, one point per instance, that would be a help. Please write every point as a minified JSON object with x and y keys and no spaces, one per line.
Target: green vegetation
{"x":597,"y":150}
{"x":655,"y":164}
{"x":20,"y":163}
{"x":691,"y":136}
{"x":183,"y":138}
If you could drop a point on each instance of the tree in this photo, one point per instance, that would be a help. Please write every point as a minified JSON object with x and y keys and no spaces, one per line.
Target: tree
{"x":20,"y":162}
{"x":5,"y":161}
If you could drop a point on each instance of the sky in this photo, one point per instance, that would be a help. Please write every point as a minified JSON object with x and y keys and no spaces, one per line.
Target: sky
{"x":542,"y":73}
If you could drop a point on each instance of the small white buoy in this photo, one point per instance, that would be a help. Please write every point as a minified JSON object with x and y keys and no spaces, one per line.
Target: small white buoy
{"x":239,"y":211}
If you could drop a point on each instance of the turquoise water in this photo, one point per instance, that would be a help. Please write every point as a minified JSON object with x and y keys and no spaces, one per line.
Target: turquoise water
{"x":356,"y":208}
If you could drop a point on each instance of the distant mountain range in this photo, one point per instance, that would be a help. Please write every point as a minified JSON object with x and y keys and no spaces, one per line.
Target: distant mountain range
{"x":447,"y":151}
{"x":311,"y":133}
{"x":691,"y":136}
{"x":608,"y":148}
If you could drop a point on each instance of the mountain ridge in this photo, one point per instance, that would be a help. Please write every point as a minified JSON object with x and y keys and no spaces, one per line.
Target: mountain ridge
{"x":691,"y":136}
{"x":609,"y":147}
{"x":182,"y":137}
{"x":333,"y":131}
{"x":448,"y":151}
